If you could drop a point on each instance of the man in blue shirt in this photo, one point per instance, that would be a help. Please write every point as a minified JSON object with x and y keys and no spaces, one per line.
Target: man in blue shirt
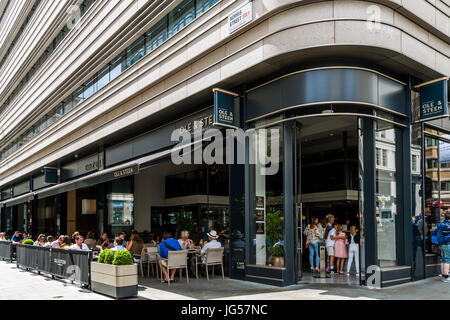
{"x":17,"y":237}
{"x":118,"y":245}
{"x":167,"y":244}
{"x":445,"y":247}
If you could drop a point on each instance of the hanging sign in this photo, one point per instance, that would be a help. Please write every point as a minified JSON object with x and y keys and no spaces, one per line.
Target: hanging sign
{"x":433,"y":99}
{"x":224,"y":108}
{"x":50,"y":175}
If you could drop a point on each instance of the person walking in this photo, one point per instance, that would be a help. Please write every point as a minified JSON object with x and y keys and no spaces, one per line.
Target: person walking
{"x":340,"y":248}
{"x":444,"y":243}
{"x":312,"y":234}
{"x":330,"y":234}
{"x":353,"y":249}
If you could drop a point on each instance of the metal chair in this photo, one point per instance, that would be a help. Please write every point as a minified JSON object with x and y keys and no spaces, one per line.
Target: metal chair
{"x":214,"y":256}
{"x":143,"y":258}
{"x":152,"y":258}
{"x":176,"y":260}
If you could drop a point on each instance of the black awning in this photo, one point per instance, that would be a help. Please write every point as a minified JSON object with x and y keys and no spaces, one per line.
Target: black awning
{"x":18,"y":200}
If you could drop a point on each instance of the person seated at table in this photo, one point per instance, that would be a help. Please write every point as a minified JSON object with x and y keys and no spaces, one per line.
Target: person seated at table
{"x":184,"y":241}
{"x":118,"y":245}
{"x":168,"y":244}
{"x":2,"y":236}
{"x":40,"y":240}
{"x":123,"y":235}
{"x":79,"y":245}
{"x":49,"y":242}
{"x":211,"y":243}
{"x":135,"y":245}
{"x":67,"y":243}
{"x":58,"y":243}
{"x":76,"y":233}
{"x":156,"y":239}
{"x":17,"y":237}
{"x":24,"y":236}
{"x":103,"y":242}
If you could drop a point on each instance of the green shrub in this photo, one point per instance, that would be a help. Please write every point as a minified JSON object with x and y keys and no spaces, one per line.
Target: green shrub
{"x":28,"y":241}
{"x":122,"y":258}
{"x":277,"y":251}
{"x":101,"y":256}
{"x":106,"y":256}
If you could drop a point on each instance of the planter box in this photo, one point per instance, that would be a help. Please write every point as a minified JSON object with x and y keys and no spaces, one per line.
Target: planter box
{"x":114,"y":281}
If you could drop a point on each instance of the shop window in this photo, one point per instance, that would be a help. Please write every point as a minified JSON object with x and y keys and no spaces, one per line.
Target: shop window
{"x":386,"y":205}
{"x":181,"y":16}
{"x":120,"y":203}
{"x":267,"y":219}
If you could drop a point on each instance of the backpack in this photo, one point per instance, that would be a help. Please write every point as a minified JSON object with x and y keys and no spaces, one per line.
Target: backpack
{"x":439,"y":236}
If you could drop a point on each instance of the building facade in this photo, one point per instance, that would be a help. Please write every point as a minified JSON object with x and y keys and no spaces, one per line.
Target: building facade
{"x":91,"y":92}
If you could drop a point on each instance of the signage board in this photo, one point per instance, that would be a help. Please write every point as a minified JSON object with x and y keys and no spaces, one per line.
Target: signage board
{"x":50,"y":175}
{"x":433,"y":99}
{"x":240,"y":17}
{"x":224,"y":108}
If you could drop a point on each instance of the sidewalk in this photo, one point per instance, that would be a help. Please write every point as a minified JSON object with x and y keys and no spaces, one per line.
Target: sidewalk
{"x":18,"y":284}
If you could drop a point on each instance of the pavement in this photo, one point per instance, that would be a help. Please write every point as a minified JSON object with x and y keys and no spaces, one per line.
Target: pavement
{"x":18,"y":284}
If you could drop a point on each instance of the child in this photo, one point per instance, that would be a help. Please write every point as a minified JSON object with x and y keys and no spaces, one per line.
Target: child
{"x":353,"y":250}
{"x":330,"y":234}
{"x":340,"y":248}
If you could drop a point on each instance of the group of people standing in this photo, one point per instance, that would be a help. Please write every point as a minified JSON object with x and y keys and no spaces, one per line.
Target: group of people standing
{"x":340,"y":245}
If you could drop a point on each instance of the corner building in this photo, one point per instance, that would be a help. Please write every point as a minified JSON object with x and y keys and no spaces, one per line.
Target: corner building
{"x":88,"y":105}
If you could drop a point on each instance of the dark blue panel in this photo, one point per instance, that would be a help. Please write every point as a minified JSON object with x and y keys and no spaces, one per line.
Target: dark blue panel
{"x":392,"y":95}
{"x":326,"y":85}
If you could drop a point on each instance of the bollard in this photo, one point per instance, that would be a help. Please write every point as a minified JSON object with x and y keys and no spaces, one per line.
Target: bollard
{"x":323,"y":265}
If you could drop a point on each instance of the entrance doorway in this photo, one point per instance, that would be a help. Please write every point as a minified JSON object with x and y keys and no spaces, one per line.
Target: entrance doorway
{"x":328,"y":174}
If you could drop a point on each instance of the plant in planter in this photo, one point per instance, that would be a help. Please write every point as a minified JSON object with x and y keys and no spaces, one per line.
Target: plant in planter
{"x":114,"y":274}
{"x":28,"y":241}
{"x":277,"y":255}
{"x":275,"y":233}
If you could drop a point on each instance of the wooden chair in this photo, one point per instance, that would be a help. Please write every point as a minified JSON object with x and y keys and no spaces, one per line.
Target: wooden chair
{"x":214,"y":256}
{"x":176,"y":260}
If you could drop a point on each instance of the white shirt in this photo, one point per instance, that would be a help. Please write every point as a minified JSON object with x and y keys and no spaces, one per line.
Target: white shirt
{"x":329,"y":242}
{"x":188,"y":244}
{"x":84,"y":247}
{"x":210,"y":244}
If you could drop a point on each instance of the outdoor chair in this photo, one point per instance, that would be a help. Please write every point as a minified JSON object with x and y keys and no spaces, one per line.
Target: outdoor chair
{"x":152,"y":258}
{"x":176,"y":260}
{"x":214,"y":256}
{"x":143,"y":258}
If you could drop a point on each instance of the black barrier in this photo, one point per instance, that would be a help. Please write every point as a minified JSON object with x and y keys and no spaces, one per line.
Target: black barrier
{"x":6,"y":250}
{"x":68,"y":264}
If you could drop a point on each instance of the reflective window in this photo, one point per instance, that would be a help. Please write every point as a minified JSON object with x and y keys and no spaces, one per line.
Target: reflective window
{"x":182,"y":15}
{"x":157,"y":35}
{"x":386,"y":197}
{"x":136,"y":51}
{"x":204,"y":5}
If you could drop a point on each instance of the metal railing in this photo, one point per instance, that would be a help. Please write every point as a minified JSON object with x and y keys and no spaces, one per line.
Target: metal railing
{"x":6,"y":250}
{"x":68,"y":264}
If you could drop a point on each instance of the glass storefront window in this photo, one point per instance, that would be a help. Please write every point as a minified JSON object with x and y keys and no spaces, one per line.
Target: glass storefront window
{"x":121,"y":203}
{"x":267,"y":221}
{"x":386,"y":196}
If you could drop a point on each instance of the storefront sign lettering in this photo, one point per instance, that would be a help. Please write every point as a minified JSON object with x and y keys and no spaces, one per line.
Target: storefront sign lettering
{"x":204,"y":122}
{"x":224,"y":108}
{"x":240,"y":17}
{"x":124,"y":172}
{"x":433,"y":100}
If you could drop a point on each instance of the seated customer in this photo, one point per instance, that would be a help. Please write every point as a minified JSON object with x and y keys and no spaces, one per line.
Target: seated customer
{"x":40,"y":242}
{"x":118,"y":245}
{"x":184,"y":241}
{"x":2,"y":236}
{"x":49,"y":242}
{"x":103,"y":242}
{"x":211,"y":243}
{"x":79,"y":245}
{"x":66,"y":243}
{"x":58,"y":243}
{"x":135,"y":245}
{"x":17,"y":237}
{"x":168,"y":244}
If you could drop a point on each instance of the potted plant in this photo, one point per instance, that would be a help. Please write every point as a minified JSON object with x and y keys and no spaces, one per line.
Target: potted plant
{"x":277,"y":256}
{"x":115,"y":274}
{"x":275,"y":233}
{"x":28,"y":241}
